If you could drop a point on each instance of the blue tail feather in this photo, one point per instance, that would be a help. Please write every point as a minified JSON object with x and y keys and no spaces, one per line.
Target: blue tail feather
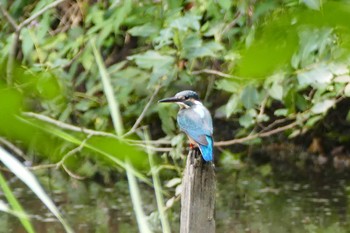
{"x":207,"y":150}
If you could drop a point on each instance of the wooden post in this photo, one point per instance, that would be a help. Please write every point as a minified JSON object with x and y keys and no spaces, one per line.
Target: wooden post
{"x":198,"y":195}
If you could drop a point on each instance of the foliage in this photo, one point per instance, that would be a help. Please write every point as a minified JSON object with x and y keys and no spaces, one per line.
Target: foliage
{"x":267,"y":66}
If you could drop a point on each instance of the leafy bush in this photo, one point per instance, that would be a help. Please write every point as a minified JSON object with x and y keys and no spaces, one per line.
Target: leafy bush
{"x":267,"y":66}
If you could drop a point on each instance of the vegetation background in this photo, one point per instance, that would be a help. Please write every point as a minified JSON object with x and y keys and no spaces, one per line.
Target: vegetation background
{"x":78,"y":91}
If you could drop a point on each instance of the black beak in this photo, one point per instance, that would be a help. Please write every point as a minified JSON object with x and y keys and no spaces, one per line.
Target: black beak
{"x":171,"y":99}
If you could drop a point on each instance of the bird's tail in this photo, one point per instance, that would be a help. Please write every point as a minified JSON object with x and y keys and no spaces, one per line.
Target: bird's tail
{"x":207,"y":150}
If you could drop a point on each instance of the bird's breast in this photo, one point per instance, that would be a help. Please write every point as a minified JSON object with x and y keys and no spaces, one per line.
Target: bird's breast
{"x":199,"y":110}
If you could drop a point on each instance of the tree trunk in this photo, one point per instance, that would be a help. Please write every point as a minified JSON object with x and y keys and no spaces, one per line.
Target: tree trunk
{"x":198,"y":195}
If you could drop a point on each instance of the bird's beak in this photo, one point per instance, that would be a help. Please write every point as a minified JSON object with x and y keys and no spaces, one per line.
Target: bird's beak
{"x":171,"y":99}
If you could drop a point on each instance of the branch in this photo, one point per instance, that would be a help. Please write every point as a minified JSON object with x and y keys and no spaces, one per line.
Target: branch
{"x":139,"y":119}
{"x":257,"y":135}
{"x":208,"y":71}
{"x":66,"y":126}
{"x":61,"y":162}
{"x":37,"y":14}
{"x":91,"y":132}
{"x":9,"y":18}
{"x":12,"y":147}
{"x":232,"y":23}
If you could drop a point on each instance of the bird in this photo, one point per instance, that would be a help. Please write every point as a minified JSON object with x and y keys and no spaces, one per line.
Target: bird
{"x":195,"y":121}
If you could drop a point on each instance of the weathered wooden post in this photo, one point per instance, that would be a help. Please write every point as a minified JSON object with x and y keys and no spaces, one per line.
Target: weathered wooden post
{"x":198,"y":195}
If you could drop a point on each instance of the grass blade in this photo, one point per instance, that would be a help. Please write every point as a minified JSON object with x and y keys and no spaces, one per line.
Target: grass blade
{"x":29,"y":179}
{"x":157,"y":189}
{"x":136,"y":200}
{"x":108,"y":90}
{"x":16,"y":206}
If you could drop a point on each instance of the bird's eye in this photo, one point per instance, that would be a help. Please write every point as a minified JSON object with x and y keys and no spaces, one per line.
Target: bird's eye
{"x":186,"y":97}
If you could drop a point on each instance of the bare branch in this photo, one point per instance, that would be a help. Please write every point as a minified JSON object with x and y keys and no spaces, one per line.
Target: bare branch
{"x":43,"y":166}
{"x":9,"y":17}
{"x":66,"y":126}
{"x":61,"y":162}
{"x":37,"y":14}
{"x":232,"y":23}
{"x":139,"y":119}
{"x":12,"y":147}
{"x":72,"y":152}
{"x":70,"y":173}
{"x":215,"y":72}
{"x":257,"y":135}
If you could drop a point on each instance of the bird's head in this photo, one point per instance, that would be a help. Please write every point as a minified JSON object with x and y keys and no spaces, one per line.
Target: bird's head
{"x":185,"y":99}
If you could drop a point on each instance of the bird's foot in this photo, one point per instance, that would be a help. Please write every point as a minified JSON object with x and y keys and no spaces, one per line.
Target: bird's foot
{"x":192,"y":146}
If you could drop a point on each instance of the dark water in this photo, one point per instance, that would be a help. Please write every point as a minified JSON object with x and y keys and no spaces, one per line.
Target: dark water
{"x":250,"y":198}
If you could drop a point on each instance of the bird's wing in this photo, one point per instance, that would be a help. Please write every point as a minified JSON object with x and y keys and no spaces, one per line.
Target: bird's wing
{"x":196,"y":125}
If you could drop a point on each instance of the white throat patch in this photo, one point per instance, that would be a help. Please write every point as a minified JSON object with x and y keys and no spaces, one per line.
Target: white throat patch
{"x":199,"y":110}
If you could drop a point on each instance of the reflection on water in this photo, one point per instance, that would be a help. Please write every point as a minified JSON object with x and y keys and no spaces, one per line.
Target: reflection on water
{"x":251,"y":198}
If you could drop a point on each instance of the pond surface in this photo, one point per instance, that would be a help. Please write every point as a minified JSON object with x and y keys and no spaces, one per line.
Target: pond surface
{"x":251,"y":198}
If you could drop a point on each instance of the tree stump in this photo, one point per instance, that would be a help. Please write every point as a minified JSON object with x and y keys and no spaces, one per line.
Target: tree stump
{"x":198,"y":195}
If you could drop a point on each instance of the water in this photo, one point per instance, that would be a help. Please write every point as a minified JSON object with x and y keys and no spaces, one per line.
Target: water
{"x":251,"y":198}
{"x":257,"y":204}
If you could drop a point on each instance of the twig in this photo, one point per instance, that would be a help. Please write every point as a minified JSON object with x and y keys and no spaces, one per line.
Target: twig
{"x":9,"y":17}
{"x":91,"y":132}
{"x":154,"y":142}
{"x":12,"y":147}
{"x":152,"y":148}
{"x":43,"y":166}
{"x":273,"y":124}
{"x":232,"y":23}
{"x":139,"y":119}
{"x":37,"y":14}
{"x":208,"y":71}
{"x":72,"y":152}
{"x":257,"y":135}
{"x":66,"y":126}
{"x":70,"y":173}
{"x":61,"y":162}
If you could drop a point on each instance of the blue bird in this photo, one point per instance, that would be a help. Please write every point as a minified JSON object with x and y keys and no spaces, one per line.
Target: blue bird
{"x":195,"y":120}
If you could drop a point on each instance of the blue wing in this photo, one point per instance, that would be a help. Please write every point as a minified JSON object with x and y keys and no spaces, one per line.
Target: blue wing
{"x":207,"y":150}
{"x":197,"y":124}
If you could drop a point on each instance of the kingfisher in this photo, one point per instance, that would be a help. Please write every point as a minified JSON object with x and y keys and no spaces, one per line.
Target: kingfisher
{"x":195,"y":121}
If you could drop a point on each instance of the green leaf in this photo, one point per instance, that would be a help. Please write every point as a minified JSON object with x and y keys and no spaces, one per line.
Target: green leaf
{"x":145,"y":30}
{"x":193,"y":47}
{"x":313,"y":120}
{"x":281,"y":112}
{"x":322,"y":107}
{"x":250,"y":97}
{"x":166,"y":117}
{"x":228,"y":85}
{"x":165,"y":38}
{"x":27,"y":44}
{"x":347,"y":90}
{"x":247,"y":119}
{"x":189,"y":21}
{"x":225,"y":4}
{"x":231,"y":105}
{"x":316,"y":77}
{"x":152,"y":59}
